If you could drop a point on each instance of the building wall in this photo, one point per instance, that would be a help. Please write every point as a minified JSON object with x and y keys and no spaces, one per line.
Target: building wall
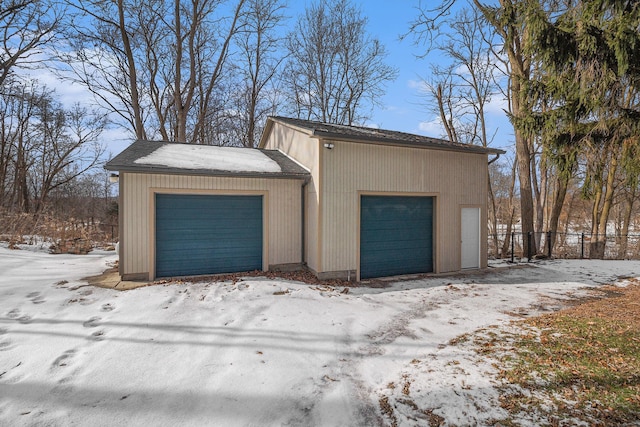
{"x":306,"y":151}
{"x":281,"y":213}
{"x":455,"y":179}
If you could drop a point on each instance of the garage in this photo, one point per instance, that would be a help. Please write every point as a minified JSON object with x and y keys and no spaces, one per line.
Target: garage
{"x":208,"y":234}
{"x":396,"y":235}
{"x":342,"y":202}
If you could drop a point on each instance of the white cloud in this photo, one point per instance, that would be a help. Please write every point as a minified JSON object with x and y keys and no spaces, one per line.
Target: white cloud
{"x":497,"y":106}
{"x":115,"y":139}
{"x":420,"y":86}
{"x":66,"y":92}
{"x":432,"y":127}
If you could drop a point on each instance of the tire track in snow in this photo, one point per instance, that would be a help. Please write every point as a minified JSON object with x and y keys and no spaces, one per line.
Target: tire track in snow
{"x":342,"y":376}
{"x":339,"y":389}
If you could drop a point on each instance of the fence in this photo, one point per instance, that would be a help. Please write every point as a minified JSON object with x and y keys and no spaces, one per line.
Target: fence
{"x":564,"y":245}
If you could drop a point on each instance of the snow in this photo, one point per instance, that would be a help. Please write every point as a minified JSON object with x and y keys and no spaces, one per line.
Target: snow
{"x":259,"y":351}
{"x":232,"y":159}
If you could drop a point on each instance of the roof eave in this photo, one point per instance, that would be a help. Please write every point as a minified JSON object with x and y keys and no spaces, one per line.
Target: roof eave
{"x":384,"y":141}
{"x":201,"y":172}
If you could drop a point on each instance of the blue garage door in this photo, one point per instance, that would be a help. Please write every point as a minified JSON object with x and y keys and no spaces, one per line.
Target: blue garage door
{"x":396,"y":235}
{"x":198,"y":234}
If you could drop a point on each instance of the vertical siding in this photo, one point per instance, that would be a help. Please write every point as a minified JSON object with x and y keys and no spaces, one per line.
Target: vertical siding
{"x":282,"y":213}
{"x":135,"y":238}
{"x":350,"y":169}
{"x":306,"y":151}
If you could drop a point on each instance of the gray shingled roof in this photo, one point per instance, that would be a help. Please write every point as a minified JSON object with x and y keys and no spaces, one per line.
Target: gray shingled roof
{"x":380,"y":136}
{"x":126,"y":162}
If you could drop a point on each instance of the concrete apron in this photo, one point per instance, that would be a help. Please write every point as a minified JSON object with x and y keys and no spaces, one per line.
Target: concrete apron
{"x":110,"y":279}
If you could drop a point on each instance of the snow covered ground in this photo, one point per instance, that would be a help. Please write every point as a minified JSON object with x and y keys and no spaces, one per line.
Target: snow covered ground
{"x":258,"y":352}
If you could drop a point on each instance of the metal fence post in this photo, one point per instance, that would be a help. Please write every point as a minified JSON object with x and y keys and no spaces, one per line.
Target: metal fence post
{"x":560,"y":244}
{"x":513,"y":236}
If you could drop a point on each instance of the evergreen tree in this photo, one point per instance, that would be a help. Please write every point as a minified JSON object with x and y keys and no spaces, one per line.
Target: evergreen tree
{"x":587,"y":56}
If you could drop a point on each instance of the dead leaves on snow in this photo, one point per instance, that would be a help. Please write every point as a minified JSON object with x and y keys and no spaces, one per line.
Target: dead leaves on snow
{"x":581,"y":363}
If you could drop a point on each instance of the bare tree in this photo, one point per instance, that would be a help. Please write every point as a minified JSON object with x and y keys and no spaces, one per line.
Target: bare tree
{"x":105,"y":57}
{"x":466,"y":85}
{"x":507,"y":22}
{"x":503,"y":179}
{"x":600,"y":188}
{"x":26,"y":26}
{"x":45,"y":145}
{"x":335,"y":72}
{"x":259,"y":60}
{"x":156,"y":64}
{"x":68,"y":147}
{"x":86,"y":198}
{"x":443,"y":99}
{"x":19,"y":102}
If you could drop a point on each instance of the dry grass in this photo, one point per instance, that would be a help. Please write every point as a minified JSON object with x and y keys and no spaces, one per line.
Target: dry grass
{"x":578,"y":364}
{"x":45,"y":229}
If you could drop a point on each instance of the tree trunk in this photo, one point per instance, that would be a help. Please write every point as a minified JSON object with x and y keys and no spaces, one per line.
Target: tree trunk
{"x":448,"y":126}
{"x":133,"y":75}
{"x":601,"y":216}
{"x":20,"y":186}
{"x":540,"y":197}
{"x":200,"y":126}
{"x":506,"y":247}
{"x":556,"y":208}
{"x":181,"y":108}
{"x":624,"y":232}
{"x":493,"y":218}
{"x":520,"y":70}
{"x":523,"y":155}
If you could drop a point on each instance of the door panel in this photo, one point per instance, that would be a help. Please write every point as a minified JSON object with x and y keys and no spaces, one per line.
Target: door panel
{"x":396,"y":235}
{"x":470,"y":233}
{"x":202,"y":234}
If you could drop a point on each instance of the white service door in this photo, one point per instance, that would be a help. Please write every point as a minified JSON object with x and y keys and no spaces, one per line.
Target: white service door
{"x":470,"y":233}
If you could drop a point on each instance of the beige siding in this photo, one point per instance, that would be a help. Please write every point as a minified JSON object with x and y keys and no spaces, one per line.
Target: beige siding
{"x":282,"y":205}
{"x":341,"y":175}
{"x":455,"y":179}
{"x":306,"y":151}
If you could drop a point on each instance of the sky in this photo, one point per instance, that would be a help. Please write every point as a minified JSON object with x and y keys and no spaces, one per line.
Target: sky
{"x":402,"y":108}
